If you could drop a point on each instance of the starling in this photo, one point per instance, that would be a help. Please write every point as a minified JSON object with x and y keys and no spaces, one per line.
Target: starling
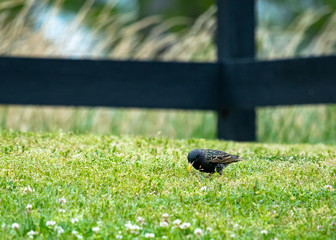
{"x":210,"y":161}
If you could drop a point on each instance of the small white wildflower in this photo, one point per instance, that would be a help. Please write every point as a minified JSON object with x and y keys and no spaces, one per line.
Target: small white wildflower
{"x":319,"y":227}
{"x":165,"y":216}
{"x":236,"y":225}
{"x":74,"y":232}
{"x":185,"y":225}
{"x":62,"y":200}
{"x":119,"y":237}
{"x":290,"y":158}
{"x":264,"y":232}
{"x":135,"y":229}
{"x":95,"y":229}
{"x":128,"y":225}
{"x":209,"y":229}
{"x":29,"y":208}
{"x":163,"y":224}
{"x":74,"y":220}
{"x":203,"y":188}
{"x":329,"y":187}
{"x":141,"y":220}
{"x":61,"y":211}
{"x":198,"y":232}
{"x":232,"y":235}
{"x":27,"y":190}
{"x":149,"y":235}
{"x":15,"y":226}
{"x":58,"y":229}
{"x":275,"y":205}
{"x":100,"y":223}
{"x":164,"y":237}
{"x":50,"y":223}
{"x":177,"y":222}
{"x":31,"y":234}
{"x":272,"y":211}
{"x":79,"y":237}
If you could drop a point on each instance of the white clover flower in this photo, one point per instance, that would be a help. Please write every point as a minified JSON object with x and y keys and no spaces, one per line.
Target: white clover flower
{"x":58,"y":229}
{"x":236,"y":225}
{"x":15,"y":226}
{"x":290,"y":158}
{"x":141,"y":220}
{"x":329,"y":187}
{"x":119,"y":237}
{"x":61,"y":210}
{"x":198,"y":232}
{"x":74,"y":232}
{"x":203,"y":188}
{"x":185,"y":225}
{"x":128,"y":225}
{"x":79,"y":237}
{"x":95,"y":229}
{"x":27,"y":190}
{"x":165,"y":216}
{"x":177,"y":222}
{"x":29,"y":208}
{"x":31,"y":234}
{"x":74,"y":220}
{"x":264,"y":232}
{"x":50,"y":223}
{"x":209,"y":229}
{"x":62,"y":200}
{"x":149,"y":235}
{"x":133,"y":228}
{"x":163,"y":224}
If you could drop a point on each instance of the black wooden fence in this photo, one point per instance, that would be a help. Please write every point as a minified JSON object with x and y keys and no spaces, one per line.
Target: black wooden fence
{"x":233,"y":86}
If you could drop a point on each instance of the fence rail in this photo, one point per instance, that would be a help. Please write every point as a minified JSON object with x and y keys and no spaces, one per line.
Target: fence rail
{"x":233,"y":86}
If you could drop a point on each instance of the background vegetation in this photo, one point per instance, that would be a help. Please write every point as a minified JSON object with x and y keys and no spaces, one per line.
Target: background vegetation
{"x":109,"y":29}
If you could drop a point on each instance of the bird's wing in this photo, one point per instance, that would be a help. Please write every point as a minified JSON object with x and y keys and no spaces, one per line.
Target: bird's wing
{"x":221,"y":157}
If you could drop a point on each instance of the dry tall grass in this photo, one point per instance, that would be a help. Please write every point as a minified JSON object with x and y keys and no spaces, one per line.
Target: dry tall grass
{"x":111,"y":36}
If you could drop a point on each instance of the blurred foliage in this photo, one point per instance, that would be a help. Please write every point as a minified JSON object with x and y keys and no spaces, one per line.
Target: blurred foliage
{"x":187,"y":8}
{"x":109,"y":34}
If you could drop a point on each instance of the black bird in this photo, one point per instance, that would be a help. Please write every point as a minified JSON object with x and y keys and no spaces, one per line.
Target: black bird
{"x":210,"y":161}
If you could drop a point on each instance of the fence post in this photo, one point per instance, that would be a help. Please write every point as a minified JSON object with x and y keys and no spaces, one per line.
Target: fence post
{"x":235,"y":39}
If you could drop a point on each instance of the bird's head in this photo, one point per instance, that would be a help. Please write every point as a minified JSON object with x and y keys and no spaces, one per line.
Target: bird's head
{"x":195,"y":157}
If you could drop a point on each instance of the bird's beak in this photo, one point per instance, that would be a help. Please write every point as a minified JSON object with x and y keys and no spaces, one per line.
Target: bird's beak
{"x":189,"y":167}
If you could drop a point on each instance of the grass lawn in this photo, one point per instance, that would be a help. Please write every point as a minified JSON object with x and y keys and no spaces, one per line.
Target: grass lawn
{"x":70,"y":186}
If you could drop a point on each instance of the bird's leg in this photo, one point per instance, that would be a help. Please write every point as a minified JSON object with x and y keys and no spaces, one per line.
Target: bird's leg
{"x":210,"y":174}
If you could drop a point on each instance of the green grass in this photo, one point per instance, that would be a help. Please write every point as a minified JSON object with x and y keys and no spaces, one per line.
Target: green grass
{"x":304,"y":124}
{"x":108,"y":181}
